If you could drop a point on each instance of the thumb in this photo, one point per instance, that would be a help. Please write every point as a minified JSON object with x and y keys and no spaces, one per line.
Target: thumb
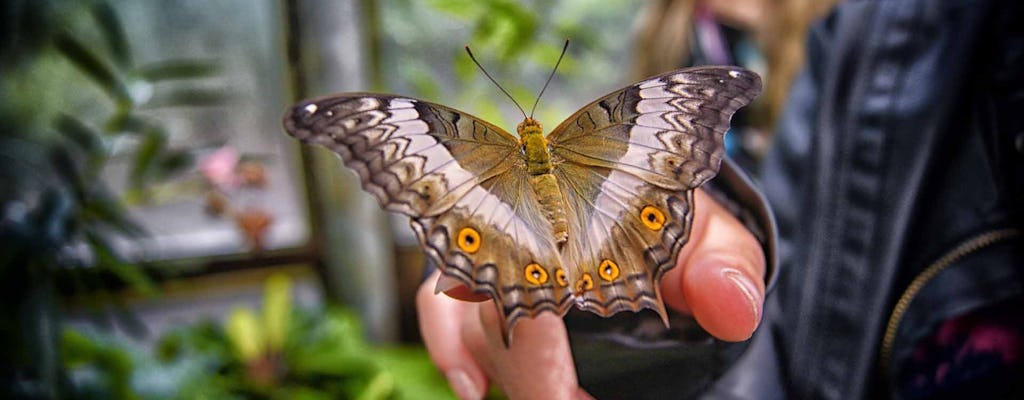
{"x":720,"y":276}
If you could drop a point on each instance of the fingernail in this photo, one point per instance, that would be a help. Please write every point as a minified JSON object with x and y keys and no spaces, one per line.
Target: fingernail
{"x":463,"y":385}
{"x":749,"y":290}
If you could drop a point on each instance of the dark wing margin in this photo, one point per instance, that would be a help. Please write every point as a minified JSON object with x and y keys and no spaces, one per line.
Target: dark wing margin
{"x":669,"y":128}
{"x":416,"y":158}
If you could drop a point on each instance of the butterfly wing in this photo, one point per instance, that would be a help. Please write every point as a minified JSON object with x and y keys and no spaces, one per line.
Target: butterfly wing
{"x":460,"y":179}
{"x":627,"y":165}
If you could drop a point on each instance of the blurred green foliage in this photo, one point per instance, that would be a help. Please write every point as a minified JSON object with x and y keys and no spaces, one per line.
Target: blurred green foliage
{"x":287,"y":354}
{"x":517,"y":41}
{"x":73,"y":101}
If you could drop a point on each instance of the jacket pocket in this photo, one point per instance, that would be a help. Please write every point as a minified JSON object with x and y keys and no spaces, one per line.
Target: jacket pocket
{"x":981,"y":271}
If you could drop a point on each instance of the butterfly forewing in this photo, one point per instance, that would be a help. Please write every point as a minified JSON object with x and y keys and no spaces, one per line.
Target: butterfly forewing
{"x":627,"y":165}
{"x":461,"y":180}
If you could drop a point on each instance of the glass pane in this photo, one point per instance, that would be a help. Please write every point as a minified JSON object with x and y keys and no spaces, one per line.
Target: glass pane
{"x":241,"y":39}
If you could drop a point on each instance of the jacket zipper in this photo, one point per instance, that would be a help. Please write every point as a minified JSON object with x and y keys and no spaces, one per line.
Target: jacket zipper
{"x":965,"y":248}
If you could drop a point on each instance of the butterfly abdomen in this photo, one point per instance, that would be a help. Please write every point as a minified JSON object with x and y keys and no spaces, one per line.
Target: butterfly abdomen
{"x":545,"y":185}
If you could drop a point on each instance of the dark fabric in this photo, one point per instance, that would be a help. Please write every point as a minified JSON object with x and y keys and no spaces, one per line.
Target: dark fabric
{"x":903,"y":138}
{"x":976,"y":355}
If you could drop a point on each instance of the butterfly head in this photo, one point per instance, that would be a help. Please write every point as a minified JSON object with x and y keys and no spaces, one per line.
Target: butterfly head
{"x":529,"y":126}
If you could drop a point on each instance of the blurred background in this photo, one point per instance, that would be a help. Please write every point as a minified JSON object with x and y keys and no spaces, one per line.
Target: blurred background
{"x":162,"y":238}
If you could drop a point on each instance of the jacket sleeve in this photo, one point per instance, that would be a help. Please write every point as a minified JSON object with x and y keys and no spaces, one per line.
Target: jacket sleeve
{"x":757,"y":373}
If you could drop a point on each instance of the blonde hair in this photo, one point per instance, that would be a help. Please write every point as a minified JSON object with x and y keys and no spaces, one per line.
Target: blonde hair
{"x":664,"y":30}
{"x":782,"y":37}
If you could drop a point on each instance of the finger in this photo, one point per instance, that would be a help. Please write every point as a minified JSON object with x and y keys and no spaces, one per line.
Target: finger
{"x":719,"y":277}
{"x":538,"y":363}
{"x":440,"y":319}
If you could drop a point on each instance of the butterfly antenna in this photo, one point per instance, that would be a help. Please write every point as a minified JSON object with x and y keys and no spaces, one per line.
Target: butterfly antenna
{"x":495,"y":82}
{"x":552,"y":75}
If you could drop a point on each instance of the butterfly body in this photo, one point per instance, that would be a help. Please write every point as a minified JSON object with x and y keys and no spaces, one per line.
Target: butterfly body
{"x":544,"y":184}
{"x":593,"y":214}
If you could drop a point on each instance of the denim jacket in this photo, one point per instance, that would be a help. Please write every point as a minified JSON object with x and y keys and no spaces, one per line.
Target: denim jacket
{"x":897,"y":182}
{"x":897,"y":179}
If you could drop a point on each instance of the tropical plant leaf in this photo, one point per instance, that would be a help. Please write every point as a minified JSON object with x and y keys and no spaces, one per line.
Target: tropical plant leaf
{"x":172,"y":163}
{"x":108,"y":259}
{"x":188,"y":97}
{"x":127,"y":121}
{"x":178,"y":69}
{"x":146,"y":155}
{"x":104,"y":208}
{"x":113,"y":31}
{"x":84,"y":136}
{"x":89,"y":63}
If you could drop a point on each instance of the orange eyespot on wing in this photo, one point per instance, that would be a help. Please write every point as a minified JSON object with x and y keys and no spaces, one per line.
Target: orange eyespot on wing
{"x":560,"y":277}
{"x":469,"y":240}
{"x":535,"y":274}
{"x":608,"y":270}
{"x":652,"y":218}
{"x":585,"y":283}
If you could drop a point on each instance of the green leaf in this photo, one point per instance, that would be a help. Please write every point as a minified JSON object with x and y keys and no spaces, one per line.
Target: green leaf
{"x":307,"y":393}
{"x":245,"y":335}
{"x":125,"y":121}
{"x":103,"y":207}
{"x":423,"y":81}
{"x":178,"y":69}
{"x":153,"y":143}
{"x":89,"y":63}
{"x":381,"y":387}
{"x":112,"y":363}
{"x":173,"y":162}
{"x":87,"y":138}
{"x":277,"y":308}
{"x":109,"y":260}
{"x":188,"y":97}
{"x":462,"y":9}
{"x":465,"y":70}
{"x":419,"y":377}
{"x":76,"y":348}
{"x":113,"y":31}
{"x":490,"y":112}
{"x":322,"y":362}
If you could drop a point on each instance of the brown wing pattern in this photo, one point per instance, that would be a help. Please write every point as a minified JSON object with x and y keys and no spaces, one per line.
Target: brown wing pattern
{"x":627,"y":165}
{"x":415,"y":157}
{"x":461,"y":180}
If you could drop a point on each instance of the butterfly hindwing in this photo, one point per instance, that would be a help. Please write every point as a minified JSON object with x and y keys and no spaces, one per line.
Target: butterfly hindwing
{"x":627,"y":165}
{"x":517,"y":263}
{"x":461,"y":180}
{"x":620,"y":253}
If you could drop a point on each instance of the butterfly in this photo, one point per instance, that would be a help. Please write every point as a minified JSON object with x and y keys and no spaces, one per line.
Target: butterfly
{"x":592,"y":214}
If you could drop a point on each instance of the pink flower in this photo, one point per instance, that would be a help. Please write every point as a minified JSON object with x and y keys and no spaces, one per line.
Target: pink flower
{"x":219,"y":168}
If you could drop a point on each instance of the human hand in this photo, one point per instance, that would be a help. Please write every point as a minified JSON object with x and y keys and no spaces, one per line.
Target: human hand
{"x":719,"y":279}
